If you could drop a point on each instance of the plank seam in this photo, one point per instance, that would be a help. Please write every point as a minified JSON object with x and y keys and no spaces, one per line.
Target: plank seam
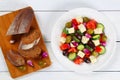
{"x":73,"y":71}
{"x":107,"y":71}
{"x":60,"y":10}
{"x":45,"y":71}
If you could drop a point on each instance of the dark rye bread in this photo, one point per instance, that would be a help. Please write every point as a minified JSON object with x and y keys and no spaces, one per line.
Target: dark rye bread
{"x":15,"y":58}
{"x":30,"y":39}
{"x":22,"y":22}
{"x":31,"y":53}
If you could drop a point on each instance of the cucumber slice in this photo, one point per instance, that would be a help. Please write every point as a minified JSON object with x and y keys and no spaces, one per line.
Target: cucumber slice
{"x":78,"y":31}
{"x":103,"y":50}
{"x":72,"y":56}
{"x":80,"y":47}
{"x":65,"y":31}
{"x":96,"y":37}
{"x":100,"y":25}
{"x":76,"y":39}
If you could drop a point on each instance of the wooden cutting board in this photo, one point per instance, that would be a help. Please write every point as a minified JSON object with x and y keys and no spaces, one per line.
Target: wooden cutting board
{"x":5,"y":22}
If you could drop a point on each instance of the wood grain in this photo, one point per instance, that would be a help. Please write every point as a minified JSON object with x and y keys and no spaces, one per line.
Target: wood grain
{"x":5,"y":22}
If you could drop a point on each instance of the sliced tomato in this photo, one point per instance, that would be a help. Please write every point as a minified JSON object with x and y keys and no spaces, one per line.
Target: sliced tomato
{"x":91,"y":24}
{"x":98,"y":49}
{"x":75,"y":27}
{"x":64,"y":46}
{"x":64,"y":35}
{"x":78,"y":61}
{"x":75,"y":24}
{"x":72,"y":50}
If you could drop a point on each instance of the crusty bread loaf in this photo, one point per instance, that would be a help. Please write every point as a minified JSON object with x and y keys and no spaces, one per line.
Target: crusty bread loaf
{"x":22,"y":22}
{"x":31,"y":53}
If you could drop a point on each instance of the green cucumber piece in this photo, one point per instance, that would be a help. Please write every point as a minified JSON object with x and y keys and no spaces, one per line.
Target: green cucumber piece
{"x":78,"y":31}
{"x":80,"y":47}
{"x":72,"y":56}
{"x":65,"y":31}
{"x":76,"y":39}
{"x":68,"y":24}
{"x":103,"y":50}
{"x":88,"y":47}
{"x":100,"y":25}
{"x":95,"y":37}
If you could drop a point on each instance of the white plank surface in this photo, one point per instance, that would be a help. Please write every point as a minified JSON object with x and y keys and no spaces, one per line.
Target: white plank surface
{"x":62,"y":4}
{"x":46,"y":21}
{"x":47,"y":12}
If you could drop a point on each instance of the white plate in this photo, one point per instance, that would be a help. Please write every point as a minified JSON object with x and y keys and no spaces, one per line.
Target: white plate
{"x":109,"y":31}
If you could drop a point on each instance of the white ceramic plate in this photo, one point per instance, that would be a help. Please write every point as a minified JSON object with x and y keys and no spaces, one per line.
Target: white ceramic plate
{"x":109,"y":31}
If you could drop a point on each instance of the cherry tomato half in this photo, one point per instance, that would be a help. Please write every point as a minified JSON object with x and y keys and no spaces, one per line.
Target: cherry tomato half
{"x":78,"y":61}
{"x":91,"y":24}
{"x":98,"y":49}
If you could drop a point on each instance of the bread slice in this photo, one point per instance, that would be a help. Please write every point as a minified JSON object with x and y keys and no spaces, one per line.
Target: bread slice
{"x":29,"y":40}
{"x":15,"y":58}
{"x":31,"y":53}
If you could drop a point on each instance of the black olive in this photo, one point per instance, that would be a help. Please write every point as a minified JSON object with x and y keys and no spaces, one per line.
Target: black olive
{"x":91,"y":44}
{"x":65,"y":53}
{"x":87,"y":60}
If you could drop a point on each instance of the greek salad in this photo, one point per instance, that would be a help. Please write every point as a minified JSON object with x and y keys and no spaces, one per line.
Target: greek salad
{"x":83,"y":40}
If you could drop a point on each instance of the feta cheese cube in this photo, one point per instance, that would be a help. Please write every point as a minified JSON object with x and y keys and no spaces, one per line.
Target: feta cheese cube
{"x":71,"y":30}
{"x":96,"y":42}
{"x":93,"y":59}
{"x":82,"y":28}
{"x":79,"y":19}
{"x":62,"y":39}
{"x":81,"y":54}
{"x":84,"y":39}
{"x":98,"y":31}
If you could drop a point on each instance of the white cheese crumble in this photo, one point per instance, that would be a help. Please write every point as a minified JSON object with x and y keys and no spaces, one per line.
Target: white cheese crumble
{"x":81,"y":54}
{"x":84,"y":39}
{"x":79,"y":19}
{"x":71,"y":30}
{"x":93,"y":59}
{"x":82,"y":28}
{"x":96,"y":42}
{"x":98,"y":31}
{"x":62,"y":39}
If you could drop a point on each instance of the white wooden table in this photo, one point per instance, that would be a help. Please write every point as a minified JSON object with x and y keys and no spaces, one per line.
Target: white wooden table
{"x":47,"y":12}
